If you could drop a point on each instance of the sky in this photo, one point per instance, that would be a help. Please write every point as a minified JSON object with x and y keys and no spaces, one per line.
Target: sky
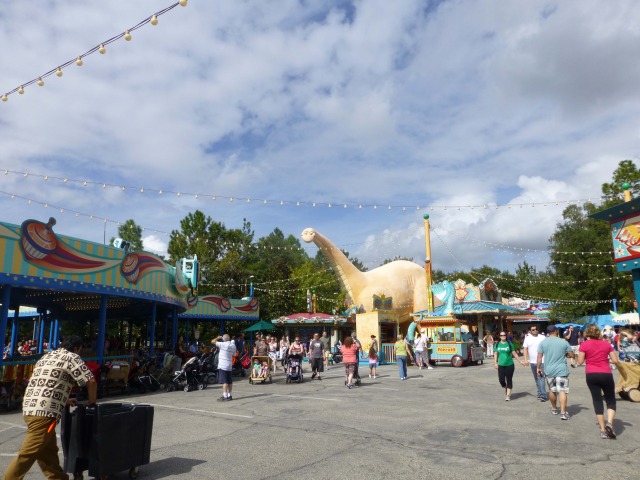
{"x":383,"y":110}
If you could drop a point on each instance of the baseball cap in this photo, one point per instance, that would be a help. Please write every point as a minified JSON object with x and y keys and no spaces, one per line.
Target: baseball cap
{"x":551,"y":328}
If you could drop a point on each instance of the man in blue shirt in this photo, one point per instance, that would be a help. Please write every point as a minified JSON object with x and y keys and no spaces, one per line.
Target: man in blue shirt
{"x":555,"y":351}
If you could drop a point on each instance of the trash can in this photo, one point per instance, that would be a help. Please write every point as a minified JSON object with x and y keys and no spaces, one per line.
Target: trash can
{"x":106,"y":439}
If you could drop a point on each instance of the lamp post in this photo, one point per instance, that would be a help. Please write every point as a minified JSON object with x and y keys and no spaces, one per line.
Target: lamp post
{"x":246,"y":284}
{"x":427,"y":262}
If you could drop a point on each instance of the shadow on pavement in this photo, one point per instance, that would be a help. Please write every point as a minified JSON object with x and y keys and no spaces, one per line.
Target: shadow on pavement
{"x":168,"y":467}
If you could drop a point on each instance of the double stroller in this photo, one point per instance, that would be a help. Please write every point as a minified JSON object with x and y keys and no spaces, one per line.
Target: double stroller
{"x":294,"y":369}
{"x":189,"y":377}
{"x":259,"y":363}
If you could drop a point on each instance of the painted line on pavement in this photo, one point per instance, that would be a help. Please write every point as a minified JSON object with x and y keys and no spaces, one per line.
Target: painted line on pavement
{"x":308,"y":398}
{"x":171,"y":407}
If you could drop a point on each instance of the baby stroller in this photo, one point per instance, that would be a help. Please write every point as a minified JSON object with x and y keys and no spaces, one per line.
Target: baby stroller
{"x":188,"y":377}
{"x":294,"y":368}
{"x":209,"y":367}
{"x":257,"y":376}
{"x":357,"y":381}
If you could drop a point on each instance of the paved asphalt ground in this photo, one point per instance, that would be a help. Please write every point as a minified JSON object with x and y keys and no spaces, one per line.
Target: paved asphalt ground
{"x":444,"y":423}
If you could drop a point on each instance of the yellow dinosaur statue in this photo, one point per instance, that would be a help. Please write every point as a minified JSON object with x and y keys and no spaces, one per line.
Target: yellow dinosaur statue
{"x":402,"y":280}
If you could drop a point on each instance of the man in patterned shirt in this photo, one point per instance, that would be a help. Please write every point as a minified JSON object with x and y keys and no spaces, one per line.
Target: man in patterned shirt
{"x":46,"y":396}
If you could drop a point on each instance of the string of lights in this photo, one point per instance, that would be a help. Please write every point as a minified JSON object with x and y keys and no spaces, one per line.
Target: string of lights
{"x":516,"y":294}
{"x":100,"y":48}
{"x":224,"y":245}
{"x":282,"y":202}
{"x":504,"y":247}
{"x":560,"y":282}
{"x":564,"y":301}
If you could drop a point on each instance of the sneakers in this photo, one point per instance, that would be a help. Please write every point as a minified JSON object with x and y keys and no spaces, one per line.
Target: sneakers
{"x":224,"y":399}
{"x":608,"y":428}
{"x":554,"y":411}
{"x":369,"y":375}
{"x":420,"y":367}
{"x":573,"y":366}
{"x":349,"y":386}
{"x":507,"y":398}
{"x":319,"y":377}
{"x":565,"y":416}
{"x":604,"y":435}
{"x":429,"y":367}
{"x":374,"y":376}
{"x":543,"y":399}
{"x":313,"y":376}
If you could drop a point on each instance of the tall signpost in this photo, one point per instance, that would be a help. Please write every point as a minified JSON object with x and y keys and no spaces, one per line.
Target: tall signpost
{"x":427,"y":262}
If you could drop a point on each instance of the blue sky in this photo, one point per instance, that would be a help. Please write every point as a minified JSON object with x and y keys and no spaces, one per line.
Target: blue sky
{"x":407,"y":104}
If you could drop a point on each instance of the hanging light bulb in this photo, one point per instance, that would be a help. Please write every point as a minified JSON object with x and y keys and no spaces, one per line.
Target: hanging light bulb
{"x":59,"y":72}
{"x":183,"y":3}
{"x":127,"y":36}
{"x":79,"y":61}
{"x":154,"y":20}
{"x":21,"y":90}
{"x":40,"y":82}
{"x":4,"y":98}
{"x":102,"y":49}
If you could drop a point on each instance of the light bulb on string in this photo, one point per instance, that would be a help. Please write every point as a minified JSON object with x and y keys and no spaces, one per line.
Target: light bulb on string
{"x":40,"y":82}
{"x":4,"y":98}
{"x":59,"y":72}
{"x":154,"y":20}
{"x":183,"y":3}
{"x":79,"y":61}
{"x":127,"y":36}
{"x":21,"y":90}
{"x":102,"y":50}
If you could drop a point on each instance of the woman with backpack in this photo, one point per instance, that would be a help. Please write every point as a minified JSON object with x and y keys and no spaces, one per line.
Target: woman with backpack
{"x":504,"y":353}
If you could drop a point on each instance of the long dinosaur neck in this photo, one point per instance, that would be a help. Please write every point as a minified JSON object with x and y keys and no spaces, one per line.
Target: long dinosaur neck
{"x":346,"y":271}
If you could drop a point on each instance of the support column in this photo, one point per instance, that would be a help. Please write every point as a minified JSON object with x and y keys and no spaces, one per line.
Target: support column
{"x":15,"y":327}
{"x":52,"y":323}
{"x":174,"y":327}
{"x":166,"y":331}
{"x":56,"y":334}
{"x":152,"y":332}
{"x":43,"y":317}
{"x":102,"y":328}
{"x":4,"y":313}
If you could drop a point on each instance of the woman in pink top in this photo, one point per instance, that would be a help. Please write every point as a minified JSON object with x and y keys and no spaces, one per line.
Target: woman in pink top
{"x":597,"y":353}
{"x":349,"y":351}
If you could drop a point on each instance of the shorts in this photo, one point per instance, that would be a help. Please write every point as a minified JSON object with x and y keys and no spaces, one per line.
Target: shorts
{"x":372,"y":363}
{"x":349,"y":368}
{"x":558,"y":384}
{"x":317,"y":365}
{"x":224,"y":377}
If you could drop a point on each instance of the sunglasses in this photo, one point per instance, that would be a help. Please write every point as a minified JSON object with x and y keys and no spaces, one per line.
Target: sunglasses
{"x":502,"y":335}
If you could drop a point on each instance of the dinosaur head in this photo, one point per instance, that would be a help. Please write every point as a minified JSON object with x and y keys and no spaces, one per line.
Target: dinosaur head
{"x":308,"y":234}
{"x":443,"y":290}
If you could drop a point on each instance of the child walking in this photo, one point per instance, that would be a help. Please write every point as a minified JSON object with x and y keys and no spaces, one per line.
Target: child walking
{"x":373,"y":360}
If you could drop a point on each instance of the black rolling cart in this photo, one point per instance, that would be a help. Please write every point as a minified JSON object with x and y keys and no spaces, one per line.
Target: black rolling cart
{"x":106,"y":439}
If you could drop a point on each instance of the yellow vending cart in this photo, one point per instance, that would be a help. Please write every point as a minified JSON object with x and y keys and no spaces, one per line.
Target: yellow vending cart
{"x":447,"y":344}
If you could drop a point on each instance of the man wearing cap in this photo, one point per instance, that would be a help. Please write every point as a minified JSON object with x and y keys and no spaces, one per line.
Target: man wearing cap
{"x":571,"y":336}
{"x":555,"y":351}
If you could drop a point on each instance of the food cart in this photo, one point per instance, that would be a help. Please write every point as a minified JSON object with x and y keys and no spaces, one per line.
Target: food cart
{"x":448,"y":344}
